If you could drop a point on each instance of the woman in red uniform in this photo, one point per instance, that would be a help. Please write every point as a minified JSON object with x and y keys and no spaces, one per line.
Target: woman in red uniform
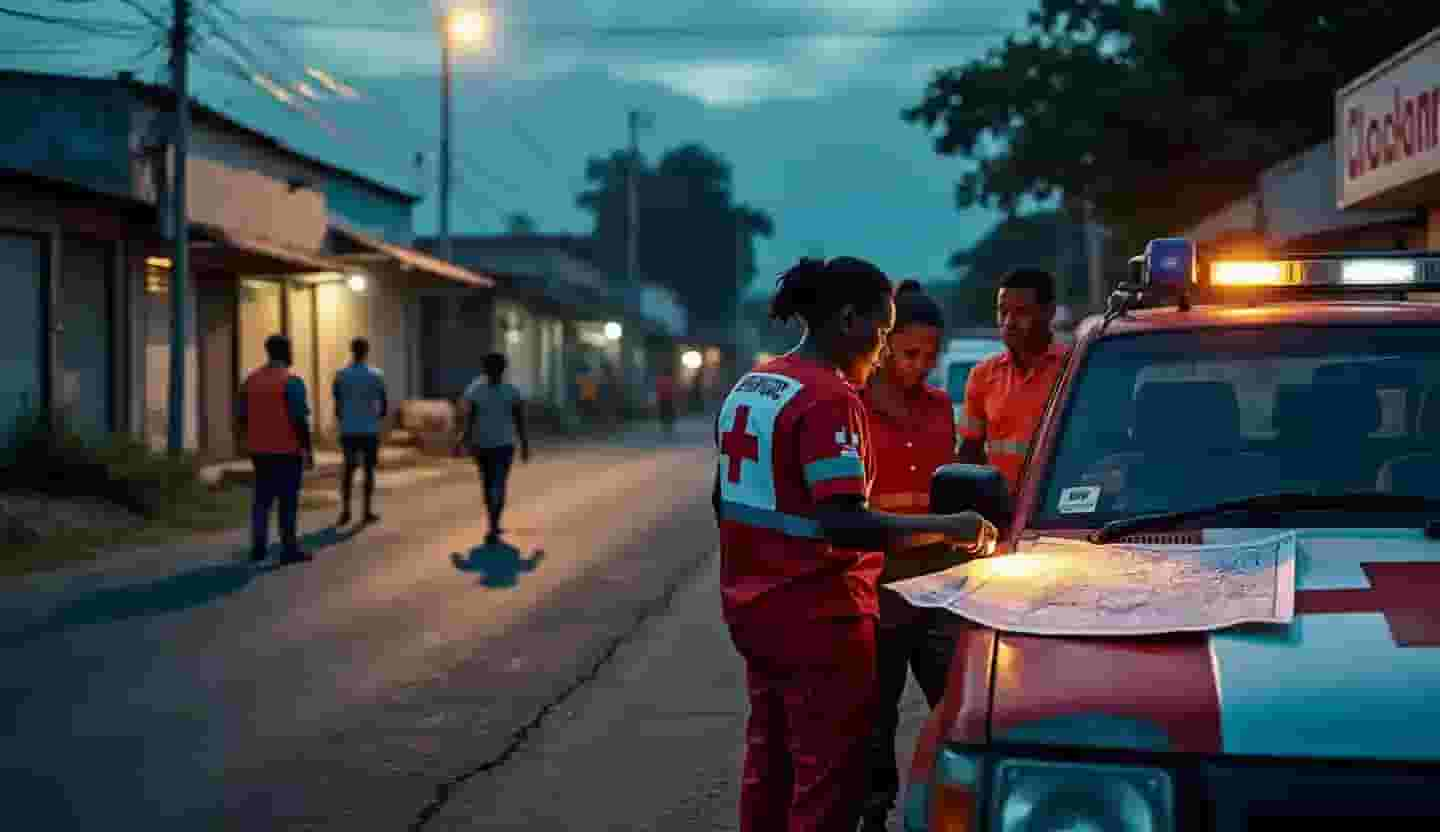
{"x":912,"y":429}
{"x":801,"y":551}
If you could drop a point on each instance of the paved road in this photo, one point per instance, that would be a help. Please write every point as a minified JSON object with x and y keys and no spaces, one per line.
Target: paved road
{"x":651,"y":744}
{"x":369,"y":689}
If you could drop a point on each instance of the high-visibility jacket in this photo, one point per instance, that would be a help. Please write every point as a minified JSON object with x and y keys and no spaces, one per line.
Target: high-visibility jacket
{"x":1004,"y":405}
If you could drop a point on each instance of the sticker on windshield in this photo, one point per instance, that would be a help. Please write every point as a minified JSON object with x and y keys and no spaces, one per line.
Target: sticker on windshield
{"x":1082,"y":499}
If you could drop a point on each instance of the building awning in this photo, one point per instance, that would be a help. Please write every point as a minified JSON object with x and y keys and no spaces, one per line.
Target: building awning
{"x":255,"y":255}
{"x":409,"y":258}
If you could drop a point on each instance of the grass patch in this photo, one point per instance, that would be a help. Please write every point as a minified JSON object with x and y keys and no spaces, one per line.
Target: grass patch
{"x":46,"y":458}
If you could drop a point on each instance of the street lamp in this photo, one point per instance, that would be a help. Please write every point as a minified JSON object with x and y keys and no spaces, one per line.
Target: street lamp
{"x":357,"y":283}
{"x":692,"y":359}
{"x":613,"y":331}
{"x":457,"y":27}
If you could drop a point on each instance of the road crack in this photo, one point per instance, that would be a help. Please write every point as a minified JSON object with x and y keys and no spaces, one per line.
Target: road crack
{"x":657,"y":606}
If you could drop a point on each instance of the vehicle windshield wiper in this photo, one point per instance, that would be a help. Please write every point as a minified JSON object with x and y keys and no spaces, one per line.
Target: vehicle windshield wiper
{"x":1269,"y":504}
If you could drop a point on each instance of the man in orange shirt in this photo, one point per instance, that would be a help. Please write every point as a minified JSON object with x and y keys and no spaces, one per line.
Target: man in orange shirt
{"x":1006,"y":395}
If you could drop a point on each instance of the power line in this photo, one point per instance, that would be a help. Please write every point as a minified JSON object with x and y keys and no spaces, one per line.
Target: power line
{"x":738,"y":31}
{"x":111,"y":28}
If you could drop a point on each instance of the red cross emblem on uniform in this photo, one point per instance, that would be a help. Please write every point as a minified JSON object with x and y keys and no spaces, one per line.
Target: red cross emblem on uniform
{"x":738,"y":444}
{"x":1407,"y":594}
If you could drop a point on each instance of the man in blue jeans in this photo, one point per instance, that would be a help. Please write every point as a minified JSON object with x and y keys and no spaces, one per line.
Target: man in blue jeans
{"x":360,"y":407}
{"x":273,"y":418}
{"x":494,"y":417}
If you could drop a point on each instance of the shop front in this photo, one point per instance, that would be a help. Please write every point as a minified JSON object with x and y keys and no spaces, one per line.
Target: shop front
{"x":1388,"y":131}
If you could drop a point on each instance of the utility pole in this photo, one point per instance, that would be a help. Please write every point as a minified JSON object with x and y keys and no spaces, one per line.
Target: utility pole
{"x":638,"y":120}
{"x":446,"y":252}
{"x":180,"y":268}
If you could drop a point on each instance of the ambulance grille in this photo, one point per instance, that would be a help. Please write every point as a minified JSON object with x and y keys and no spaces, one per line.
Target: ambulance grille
{"x":1191,"y":538}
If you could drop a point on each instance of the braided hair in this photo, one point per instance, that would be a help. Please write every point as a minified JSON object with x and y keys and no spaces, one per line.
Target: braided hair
{"x":814,"y":290}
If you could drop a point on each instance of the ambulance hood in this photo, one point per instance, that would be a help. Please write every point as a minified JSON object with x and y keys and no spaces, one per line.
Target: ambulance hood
{"x":1354,"y":676}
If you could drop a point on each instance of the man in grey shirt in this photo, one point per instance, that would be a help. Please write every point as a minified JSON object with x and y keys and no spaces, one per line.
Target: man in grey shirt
{"x":494,"y":416}
{"x":360,"y":407}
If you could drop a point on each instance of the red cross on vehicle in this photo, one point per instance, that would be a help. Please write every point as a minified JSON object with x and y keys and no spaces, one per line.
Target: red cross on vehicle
{"x":1407,"y":594}
{"x":738,"y":444}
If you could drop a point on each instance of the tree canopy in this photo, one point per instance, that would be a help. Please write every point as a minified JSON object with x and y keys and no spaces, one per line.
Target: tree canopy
{"x":693,"y":237}
{"x":1160,"y":113}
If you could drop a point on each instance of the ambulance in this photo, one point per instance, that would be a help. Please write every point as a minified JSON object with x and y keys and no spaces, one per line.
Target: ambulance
{"x":1218,"y":401}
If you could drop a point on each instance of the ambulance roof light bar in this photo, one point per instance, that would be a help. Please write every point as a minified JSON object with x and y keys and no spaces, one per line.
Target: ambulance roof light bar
{"x":1172,"y":264}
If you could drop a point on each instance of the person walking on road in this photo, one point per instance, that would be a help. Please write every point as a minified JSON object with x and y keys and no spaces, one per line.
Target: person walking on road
{"x":494,"y":416}
{"x":665,"y":392}
{"x":273,"y":418}
{"x":360,"y":408}
{"x":912,"y":428}
{"x":1005,"y":396}
{"x":801,"y":551}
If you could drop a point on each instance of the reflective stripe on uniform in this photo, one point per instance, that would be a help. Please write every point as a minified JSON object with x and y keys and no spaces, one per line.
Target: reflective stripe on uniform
{"x":900,"y":500}
{"x":1000,"y":446}
{"x":760,"y":518}
{"x":834,"y":468}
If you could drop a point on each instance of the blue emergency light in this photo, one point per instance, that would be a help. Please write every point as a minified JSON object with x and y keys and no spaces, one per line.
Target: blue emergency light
{"x":1170,"y":263}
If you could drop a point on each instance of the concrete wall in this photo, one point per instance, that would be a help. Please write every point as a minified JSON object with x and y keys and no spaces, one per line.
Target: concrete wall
{"x":1300,"y":198}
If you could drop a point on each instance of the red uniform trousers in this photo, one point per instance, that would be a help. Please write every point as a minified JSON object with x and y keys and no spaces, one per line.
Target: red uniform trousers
{"x":812,"y":701}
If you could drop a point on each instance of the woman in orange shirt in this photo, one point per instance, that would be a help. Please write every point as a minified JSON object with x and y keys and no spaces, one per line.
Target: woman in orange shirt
{"x":912,"y":429}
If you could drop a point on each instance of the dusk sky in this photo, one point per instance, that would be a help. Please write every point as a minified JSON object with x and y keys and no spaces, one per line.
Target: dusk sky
{"x":810,"y":124}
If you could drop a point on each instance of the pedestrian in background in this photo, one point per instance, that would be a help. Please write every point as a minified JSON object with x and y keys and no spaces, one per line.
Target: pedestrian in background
{"x":494,"y":418}
{"x":360,"y":408}
{"x":665,"y":392}
{"x":801,"y":551}
{"x":273,"y":417}
{"x":912,"y":429}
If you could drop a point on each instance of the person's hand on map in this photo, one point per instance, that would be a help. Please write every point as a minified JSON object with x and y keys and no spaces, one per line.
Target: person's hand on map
{"x":987,"y":538}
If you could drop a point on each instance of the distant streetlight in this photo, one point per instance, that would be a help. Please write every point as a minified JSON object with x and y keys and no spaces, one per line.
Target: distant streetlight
{"x":692,"y":359}
{"x":458,"y":27}
{"x":467,"y":25}
{"x":613,"y":331}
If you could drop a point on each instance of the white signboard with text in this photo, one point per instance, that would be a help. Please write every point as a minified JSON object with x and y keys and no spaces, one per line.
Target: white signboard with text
{"x":1388,"y":125}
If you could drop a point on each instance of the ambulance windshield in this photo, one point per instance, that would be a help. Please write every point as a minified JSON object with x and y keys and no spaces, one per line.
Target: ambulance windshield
{"x":1176,"y":421}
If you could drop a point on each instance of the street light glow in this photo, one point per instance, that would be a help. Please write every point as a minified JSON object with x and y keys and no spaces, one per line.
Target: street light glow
{"x":356,"y":282}
{"x":467,"y":25}
{"x":613,"y":331}
{"x":692,"y":359}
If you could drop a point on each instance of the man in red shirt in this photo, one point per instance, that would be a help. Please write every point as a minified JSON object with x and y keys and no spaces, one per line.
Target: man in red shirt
{"x":1005,"y":396}
{"x":801,"y":551}
{"x":273,"y":416}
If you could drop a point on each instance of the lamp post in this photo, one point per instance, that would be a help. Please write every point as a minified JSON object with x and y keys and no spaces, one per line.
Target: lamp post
{"x":457,"y":26}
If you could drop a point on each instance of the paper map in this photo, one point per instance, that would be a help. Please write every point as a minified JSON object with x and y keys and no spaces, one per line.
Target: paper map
{"x":1067,"y":587}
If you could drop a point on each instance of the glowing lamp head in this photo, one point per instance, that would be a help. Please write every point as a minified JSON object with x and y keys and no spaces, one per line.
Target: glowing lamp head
{"x":357,"y":283}
{"x":467,"y":26}
{"x":692,"y":359}
{"x":613,"y":331}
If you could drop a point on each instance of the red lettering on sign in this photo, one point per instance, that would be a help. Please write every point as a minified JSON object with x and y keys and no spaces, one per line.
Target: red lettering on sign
{"x":738,"y":445}
{"x":1407,"y":594}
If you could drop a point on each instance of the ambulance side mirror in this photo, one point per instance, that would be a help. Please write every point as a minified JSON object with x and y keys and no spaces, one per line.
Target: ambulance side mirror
{"x":981,"y":488}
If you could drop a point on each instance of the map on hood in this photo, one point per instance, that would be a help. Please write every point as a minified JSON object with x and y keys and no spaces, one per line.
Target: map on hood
{"x":1073,"y":588}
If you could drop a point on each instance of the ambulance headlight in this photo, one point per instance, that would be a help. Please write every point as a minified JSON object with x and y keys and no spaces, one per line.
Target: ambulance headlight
{"x":1170,"y":263}
{"x":1046,"y":796}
